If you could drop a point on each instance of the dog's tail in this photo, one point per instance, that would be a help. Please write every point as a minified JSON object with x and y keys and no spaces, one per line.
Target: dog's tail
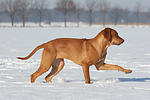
{"x":36,"y":49}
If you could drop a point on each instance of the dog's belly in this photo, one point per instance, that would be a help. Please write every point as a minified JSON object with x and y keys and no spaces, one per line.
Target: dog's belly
{"x":76,"y":57}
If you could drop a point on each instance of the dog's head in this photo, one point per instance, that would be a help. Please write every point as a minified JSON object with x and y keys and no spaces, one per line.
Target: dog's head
{"x":112,"y":36}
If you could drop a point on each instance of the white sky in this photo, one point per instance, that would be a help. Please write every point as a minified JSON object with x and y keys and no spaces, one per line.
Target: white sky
{"x":122,"y":3}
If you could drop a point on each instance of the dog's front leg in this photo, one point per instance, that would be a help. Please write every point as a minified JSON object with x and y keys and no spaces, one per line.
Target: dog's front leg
{"x":85,"y":68}
{"x":111,"y":67}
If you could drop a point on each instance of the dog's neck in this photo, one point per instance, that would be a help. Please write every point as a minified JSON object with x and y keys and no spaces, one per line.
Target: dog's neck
{"x":101,"y":42}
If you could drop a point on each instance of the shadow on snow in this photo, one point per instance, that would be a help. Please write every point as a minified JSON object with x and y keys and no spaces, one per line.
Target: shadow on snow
{"x":103,"y":80}
{"x":133,"y":79}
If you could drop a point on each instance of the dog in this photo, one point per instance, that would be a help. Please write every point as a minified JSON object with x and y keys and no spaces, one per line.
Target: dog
{"x":84,"y":52}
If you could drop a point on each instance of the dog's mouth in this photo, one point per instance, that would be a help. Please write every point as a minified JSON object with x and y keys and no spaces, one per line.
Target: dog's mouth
{"x":115,"y":43}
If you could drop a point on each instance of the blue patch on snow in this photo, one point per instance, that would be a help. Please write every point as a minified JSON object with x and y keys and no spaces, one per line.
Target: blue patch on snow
{"x":134,"y":79}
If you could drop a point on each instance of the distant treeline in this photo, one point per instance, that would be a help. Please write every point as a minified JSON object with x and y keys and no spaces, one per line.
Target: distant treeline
{"x":92,"y":11}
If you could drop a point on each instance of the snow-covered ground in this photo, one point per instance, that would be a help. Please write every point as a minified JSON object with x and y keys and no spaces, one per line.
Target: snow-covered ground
{"x":69,"y":83}
{"x":72,"y":24}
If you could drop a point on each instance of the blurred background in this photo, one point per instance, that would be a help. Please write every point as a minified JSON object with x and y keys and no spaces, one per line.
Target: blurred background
{"x":87,"y":11}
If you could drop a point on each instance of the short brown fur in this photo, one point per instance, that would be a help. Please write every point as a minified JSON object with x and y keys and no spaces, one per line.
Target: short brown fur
{"x":84,"y":52}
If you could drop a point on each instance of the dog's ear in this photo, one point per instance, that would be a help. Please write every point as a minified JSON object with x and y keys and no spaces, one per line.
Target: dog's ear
{"x":107,"y":34}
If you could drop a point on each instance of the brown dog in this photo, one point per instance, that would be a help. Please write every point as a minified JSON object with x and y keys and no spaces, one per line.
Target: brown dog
{"x":84,"y":52}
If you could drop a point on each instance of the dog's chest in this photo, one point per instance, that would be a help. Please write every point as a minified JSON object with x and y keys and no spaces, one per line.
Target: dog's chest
{"x":102,"y":56}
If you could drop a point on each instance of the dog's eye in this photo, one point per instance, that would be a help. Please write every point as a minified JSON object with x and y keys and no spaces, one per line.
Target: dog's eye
{"x":116,"y":34}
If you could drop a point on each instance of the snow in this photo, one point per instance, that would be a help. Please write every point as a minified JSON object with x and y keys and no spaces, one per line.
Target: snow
{"x":69,"y":83}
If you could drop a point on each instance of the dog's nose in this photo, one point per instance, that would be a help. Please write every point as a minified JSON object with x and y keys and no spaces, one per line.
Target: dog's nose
{"x":123,"y":40}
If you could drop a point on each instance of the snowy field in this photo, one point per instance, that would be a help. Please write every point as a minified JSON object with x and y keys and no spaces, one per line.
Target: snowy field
{"x":69,"y":84}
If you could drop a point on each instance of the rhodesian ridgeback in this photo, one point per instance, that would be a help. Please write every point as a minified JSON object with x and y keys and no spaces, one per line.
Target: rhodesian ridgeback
{"x":84,"y":52}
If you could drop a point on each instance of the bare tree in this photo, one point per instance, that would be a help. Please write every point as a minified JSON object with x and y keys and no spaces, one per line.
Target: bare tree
{"x":65,"y":6}
{"x":48,"y":16}
{"x":104,"y":6}
{"x":126,"y":15}
{"x":41,"y":7}
{"x":1,"y":6}
{"x":91,"y":5}
{"x":78,"y":11}
{"x":138,"y":9}
{"x":25,"y":8}
{"x":148,"y":13}
{"x":115,"y":14}
{"x":11,"y":7}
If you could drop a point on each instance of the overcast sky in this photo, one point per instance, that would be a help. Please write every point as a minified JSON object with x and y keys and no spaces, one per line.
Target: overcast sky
{"x":130,"y":3}
{"x":122,"y":3}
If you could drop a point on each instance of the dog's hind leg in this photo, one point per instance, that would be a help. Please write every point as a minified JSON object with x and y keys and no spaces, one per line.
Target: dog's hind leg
{"x":46,"y":61}
{"x":57,"y":66}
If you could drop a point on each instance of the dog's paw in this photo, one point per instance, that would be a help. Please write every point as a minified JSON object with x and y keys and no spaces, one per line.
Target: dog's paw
{"x":127,"y":71}
{"x":47,"y":80}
